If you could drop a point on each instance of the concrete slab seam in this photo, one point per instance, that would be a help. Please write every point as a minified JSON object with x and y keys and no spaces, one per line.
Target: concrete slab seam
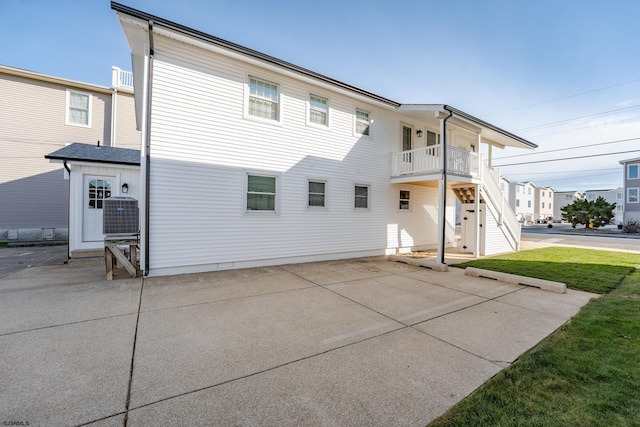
{"x":133,"y":355}
{"x":66,"y":324}
{"x":100,"y":419}
{"x":242,"y":377}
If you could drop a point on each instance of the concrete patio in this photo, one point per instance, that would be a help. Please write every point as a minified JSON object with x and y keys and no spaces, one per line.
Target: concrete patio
{"x":353,"y":342}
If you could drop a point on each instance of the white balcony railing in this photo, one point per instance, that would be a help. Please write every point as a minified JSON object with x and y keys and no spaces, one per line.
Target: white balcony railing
{"x":121,"y":79}
{"x":428,"y":160}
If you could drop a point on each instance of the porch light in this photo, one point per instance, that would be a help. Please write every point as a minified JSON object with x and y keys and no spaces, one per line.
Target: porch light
{"x":419,"y":132}
{"x":125,"y":188}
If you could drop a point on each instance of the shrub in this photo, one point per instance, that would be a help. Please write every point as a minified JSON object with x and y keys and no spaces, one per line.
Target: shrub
{"x":631,"y":226}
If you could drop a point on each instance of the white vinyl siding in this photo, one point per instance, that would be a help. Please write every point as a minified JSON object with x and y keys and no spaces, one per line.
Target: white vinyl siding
{"x":363,"y":122}
{"x":78,"y":108}
{"x":318,"y":110}
{"x":263,"y":99}
{"x":203,"y":149}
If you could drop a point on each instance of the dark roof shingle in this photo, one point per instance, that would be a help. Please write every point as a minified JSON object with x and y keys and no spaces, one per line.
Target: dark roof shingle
{"x":95,"y":154}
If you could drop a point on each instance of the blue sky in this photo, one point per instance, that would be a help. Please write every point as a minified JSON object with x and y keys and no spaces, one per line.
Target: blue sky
{"x":560,"y":73}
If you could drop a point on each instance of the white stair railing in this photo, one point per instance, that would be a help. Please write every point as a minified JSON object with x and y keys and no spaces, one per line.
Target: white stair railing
{"x":493,"y":196}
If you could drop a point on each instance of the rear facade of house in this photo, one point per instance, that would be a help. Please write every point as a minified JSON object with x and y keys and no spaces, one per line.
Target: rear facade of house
{"x":252,"y":161}
{"x":40,"y":114}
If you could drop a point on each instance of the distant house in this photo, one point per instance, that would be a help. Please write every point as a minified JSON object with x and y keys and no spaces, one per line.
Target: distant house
{"x":631,"y":189}
{"x":248,"y":160}
{"x":40,"y":114}
{"x":543,"y":204}
{"x":522,"y":198}
{"x":562,"y":199}
{"x":613,"y":195}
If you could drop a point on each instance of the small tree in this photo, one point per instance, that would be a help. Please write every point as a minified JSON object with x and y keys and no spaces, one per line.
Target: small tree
{"x":597,"y":212}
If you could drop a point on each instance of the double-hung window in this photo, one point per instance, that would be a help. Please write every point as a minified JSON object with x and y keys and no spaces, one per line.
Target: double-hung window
{"x":263,"y":99}
{"x":405,"y":200}
{"x":317,"y":193}
{"x":363,"y":122}
{"x":632,"y":172}
{"x":318,"y":110}
{"x":361,"y":197}
{"x":261,"y":193}
{"x":78,"y":108}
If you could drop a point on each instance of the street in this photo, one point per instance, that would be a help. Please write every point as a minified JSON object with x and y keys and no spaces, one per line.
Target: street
{"x":562,"y":234}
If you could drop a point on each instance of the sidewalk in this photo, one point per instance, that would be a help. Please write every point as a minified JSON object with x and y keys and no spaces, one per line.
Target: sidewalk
{"x":352,"y":342}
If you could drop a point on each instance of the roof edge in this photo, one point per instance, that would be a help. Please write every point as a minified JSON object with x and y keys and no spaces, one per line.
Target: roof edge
{"x":111,"y":162}
{"x":118,"y":7}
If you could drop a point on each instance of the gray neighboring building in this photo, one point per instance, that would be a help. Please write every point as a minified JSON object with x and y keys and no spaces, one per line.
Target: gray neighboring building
{"x":631,"y":188}
{"x":38,"y":115}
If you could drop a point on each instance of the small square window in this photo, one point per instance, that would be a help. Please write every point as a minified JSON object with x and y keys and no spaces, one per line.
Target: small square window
{"x":405,"y":200}
{"x":78,"y":108}
{"x":263,"y":99}
{"x":318,"y":110}
{"x":361,"y":196}
{"x":632,"y":172}
{"x":261,"y":193}
{"x":363,"y":122}
{"x":317,"y":193}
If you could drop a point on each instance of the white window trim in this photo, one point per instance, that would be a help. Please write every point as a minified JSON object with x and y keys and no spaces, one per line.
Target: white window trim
{"x":637,"y":190}
{"x":326,"y":194}
{"x":67,"y":119}
{"x":247,"y":94}
{"x":637,"y":167}
{"x":410,"y":200}
{"x":355,"y":120}
{"x":245,"y":188}
{"x":308,"y":112}
{"x":353,"y":197}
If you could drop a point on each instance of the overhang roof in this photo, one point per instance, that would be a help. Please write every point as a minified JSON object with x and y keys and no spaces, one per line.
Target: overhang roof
{"x":622,"y":162}
{"x":489,"y":132}
{"x":94,"y":154}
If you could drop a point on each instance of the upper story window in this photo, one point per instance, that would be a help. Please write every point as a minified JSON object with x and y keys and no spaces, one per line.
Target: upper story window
{"x":78,"y":108}
{"x":318,"y":110}
{"x":517,"y":189}
{"x":432,"y":138}
{"x":529,"y":190}
{"x":632,"y":195}
{"x":406,"y":138}
{"x":543,"y":194}
{"x":263,"y":99}
{"x":363,"y":122}
{"x":619,"y":195}
{"x":632,"y":172}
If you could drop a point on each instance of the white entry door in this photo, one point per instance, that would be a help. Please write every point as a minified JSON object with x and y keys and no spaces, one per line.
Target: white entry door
{"x":96,"y":189}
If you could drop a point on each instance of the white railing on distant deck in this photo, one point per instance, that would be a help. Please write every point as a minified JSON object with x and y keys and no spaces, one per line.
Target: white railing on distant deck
{"x":121,"y":79}
{"x":428,"y":160}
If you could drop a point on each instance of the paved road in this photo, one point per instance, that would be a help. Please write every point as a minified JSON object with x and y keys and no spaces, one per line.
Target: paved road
{"x":563,"y":235}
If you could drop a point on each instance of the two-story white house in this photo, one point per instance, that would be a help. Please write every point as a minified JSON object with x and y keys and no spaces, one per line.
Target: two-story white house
{"x":543,"y":204}
{"x":522,"y":198}
{"x":631,"y":189}
{"x":248,"y":160}
{"x":562,"y":199}
{"x":611,"y":195}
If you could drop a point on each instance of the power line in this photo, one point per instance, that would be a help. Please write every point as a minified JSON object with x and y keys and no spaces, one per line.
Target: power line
{"x":585,"y":127}
{"x":575,"y":178}
{"x":568,"y":148}
{"x":568,"y":158}
{"x":573,"y":171}
{"x":633,"y":107}
{"x":562,"y":98}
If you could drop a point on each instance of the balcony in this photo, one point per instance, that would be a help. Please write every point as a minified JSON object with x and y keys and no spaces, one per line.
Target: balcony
{"x":121,"y":79}
{"x":428,"y":161}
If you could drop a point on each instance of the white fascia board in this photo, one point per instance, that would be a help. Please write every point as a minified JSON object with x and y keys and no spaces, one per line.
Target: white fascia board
{"x":622,"y":162}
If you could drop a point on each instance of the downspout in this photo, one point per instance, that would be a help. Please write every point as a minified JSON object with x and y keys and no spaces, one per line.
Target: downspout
{"x":64,"y":163}
{"x":147,"y":148}
{"x":444,"y":184}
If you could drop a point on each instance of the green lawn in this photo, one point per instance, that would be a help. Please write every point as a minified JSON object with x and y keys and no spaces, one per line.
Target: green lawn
{"x":585,"y":374}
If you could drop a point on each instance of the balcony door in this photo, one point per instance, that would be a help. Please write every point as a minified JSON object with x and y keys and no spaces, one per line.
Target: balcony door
{"x":407,"y":143}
